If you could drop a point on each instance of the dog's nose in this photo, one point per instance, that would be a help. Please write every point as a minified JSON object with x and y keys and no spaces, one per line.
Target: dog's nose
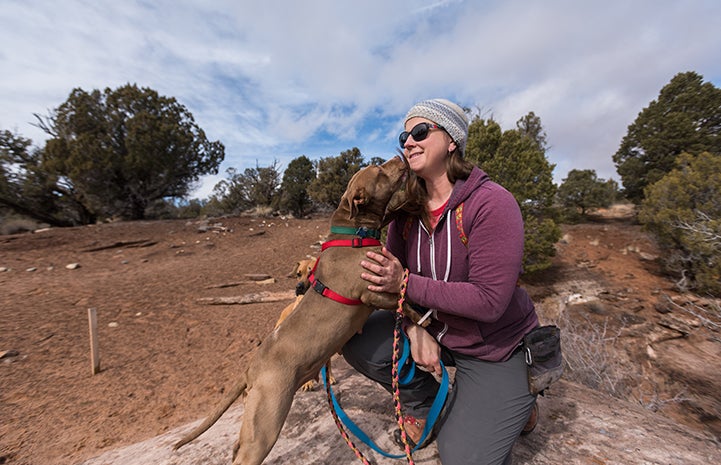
{"x":300,"y":288}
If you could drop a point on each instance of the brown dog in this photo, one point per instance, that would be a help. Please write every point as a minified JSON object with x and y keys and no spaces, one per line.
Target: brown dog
{"x":301,"y":272}
{"x":318,"y":327}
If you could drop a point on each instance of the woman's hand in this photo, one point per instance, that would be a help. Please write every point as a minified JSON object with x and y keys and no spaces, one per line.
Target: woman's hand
{"x":386,"y":272}
{"x":425,"y":349}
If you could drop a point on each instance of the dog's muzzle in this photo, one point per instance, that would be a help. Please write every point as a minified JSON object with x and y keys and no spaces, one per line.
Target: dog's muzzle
{"x":301,"y":287}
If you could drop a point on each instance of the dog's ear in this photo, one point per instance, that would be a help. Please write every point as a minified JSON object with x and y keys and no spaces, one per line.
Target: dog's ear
{"x":294,"y":272}
{"x":359,"y":197}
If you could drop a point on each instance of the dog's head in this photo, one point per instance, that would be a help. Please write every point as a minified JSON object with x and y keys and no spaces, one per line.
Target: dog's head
{"x":375,"y":191}
{"x":300,"y":272}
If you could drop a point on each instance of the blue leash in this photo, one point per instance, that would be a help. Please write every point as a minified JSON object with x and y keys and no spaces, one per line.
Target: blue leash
{"x":431,"y":419}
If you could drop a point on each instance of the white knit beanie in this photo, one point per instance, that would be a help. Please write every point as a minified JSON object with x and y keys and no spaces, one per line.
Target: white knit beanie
{"x":445,"y":114}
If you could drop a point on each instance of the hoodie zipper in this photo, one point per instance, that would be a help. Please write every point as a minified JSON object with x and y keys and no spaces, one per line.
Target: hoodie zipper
{"x":432,"y":249}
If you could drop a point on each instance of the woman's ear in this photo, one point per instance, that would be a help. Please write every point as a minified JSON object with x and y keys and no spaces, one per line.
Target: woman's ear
{"x":452,"y":146}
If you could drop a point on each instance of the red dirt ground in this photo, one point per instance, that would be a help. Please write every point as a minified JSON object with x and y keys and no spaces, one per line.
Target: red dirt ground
{"x":165,"y":357}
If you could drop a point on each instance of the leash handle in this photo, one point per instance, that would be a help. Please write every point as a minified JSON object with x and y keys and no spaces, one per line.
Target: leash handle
{"x":342,"y":420}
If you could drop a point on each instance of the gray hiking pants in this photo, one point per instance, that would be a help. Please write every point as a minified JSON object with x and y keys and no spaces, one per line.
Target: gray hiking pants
{"x":486,"y":411}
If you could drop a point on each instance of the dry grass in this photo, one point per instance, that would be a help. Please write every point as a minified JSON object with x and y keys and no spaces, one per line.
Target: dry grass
{"x":594,"y":357}
{"x":590,"y":355}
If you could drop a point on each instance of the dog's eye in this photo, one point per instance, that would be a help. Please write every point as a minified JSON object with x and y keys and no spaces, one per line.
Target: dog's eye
{"x":297,"y":275}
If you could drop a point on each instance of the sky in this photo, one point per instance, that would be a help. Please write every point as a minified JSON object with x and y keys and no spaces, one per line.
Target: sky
{"x":274,"y":80}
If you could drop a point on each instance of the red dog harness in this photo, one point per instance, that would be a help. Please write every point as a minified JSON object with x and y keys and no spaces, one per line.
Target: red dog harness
{"x":356,"y":242}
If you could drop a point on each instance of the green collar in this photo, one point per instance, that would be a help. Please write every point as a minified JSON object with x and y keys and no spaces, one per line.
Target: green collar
{"x":362,"y":232}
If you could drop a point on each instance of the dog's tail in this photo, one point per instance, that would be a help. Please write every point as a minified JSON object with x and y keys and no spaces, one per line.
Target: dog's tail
{"x":236,"y":391}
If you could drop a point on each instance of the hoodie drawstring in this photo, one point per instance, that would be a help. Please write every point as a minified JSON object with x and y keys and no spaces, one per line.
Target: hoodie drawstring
{"x":433,"y":264}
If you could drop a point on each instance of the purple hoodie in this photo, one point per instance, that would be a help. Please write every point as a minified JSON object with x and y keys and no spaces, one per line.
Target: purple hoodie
{"x":478,"y":308}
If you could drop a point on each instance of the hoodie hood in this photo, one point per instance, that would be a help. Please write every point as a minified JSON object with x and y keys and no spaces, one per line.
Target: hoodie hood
{"x":464,"y":188}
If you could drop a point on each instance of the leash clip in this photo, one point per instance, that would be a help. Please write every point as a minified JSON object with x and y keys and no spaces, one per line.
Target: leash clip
{"x":356,"y":242}
{"x":364,"y":232}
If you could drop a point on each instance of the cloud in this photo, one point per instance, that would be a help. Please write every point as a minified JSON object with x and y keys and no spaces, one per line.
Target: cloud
{"x":277,"y":79}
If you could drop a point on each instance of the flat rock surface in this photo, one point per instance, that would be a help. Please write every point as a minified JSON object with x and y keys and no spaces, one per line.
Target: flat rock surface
{"x":577,"y":425}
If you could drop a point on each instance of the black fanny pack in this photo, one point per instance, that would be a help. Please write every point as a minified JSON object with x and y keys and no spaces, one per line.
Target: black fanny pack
{"x":542,"y":347}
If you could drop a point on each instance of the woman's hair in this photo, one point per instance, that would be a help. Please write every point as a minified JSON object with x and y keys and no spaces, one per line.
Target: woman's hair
{"x":457,"y":168}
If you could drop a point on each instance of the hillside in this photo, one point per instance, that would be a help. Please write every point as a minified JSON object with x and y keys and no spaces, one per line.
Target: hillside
{"x":650,"y":357}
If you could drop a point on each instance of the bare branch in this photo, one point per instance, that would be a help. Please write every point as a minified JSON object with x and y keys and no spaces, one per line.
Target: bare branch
{"x":703,"y":228}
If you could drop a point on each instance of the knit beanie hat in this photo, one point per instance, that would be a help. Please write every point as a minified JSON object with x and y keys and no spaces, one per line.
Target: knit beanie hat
{"x":445,"y":114}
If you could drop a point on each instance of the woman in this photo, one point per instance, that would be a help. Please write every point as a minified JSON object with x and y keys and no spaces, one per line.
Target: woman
{"x":463,"y":246}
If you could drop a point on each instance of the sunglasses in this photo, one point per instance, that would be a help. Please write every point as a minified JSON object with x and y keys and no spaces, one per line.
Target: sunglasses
{"x":419,"y":132}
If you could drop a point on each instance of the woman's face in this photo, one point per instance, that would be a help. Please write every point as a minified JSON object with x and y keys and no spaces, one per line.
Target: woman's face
{"x":427,"y":157}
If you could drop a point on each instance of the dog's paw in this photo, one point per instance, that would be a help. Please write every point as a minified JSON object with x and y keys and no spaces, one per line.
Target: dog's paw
{"x":309,"y":386}
{"x":414,"y":316}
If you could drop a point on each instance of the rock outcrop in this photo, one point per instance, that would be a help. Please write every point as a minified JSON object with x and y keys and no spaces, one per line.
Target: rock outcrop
{"x":577,"y":426}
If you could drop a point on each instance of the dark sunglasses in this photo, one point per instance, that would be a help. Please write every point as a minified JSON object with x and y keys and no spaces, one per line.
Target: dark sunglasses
{"x":419,"y":132}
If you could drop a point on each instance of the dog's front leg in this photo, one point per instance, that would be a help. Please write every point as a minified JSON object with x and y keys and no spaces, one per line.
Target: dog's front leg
{"x":384,"y":300}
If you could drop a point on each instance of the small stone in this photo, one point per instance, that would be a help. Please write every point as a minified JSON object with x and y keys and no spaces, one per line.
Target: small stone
{"x":3,"y":269}
{"x":72,"y":266}
{"x":31,"y":269}
{"x":113,"y":324}
{"x":651,"y":353}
